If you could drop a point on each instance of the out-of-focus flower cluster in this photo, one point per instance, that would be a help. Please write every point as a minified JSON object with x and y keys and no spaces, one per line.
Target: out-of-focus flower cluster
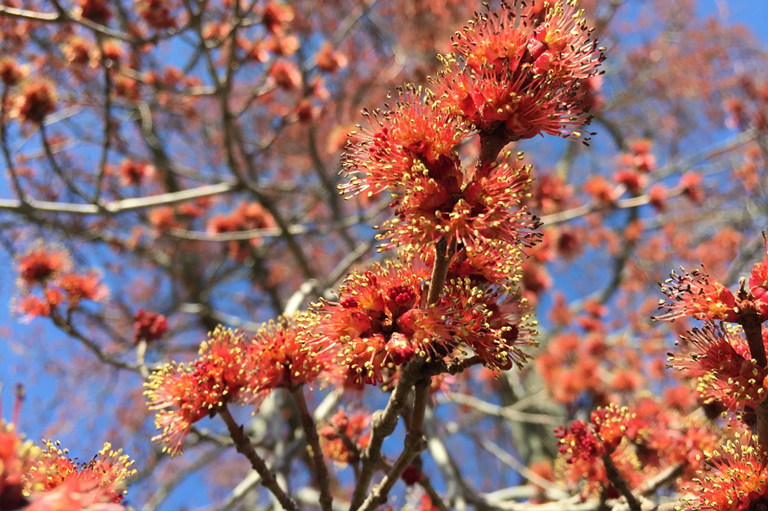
{"x":643,"y":440}
{"x":35,"y":479}
{"x":48,"y":282}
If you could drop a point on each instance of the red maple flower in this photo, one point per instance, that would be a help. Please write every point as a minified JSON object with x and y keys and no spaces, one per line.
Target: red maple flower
{"x":229,"y":369}
{"x":360,"y":327}
{"x":83,"y":287}
{"x":149,"y":326}
{"x":10,"y":71}
{"x":343,"y":437}
{"x":478,"y":210}
{"x":102,"y":479}
{"x":719,"y":357}
{"x":17,"y":458}
{"x":281,"y":361}
{"x":693,"y":294}
{"x":32,"y":306}
{"x":157,"y":13}
{"x":183,"y":395}
{"x":41,"y":264}
{"x":135,"y":173}
{"x":414,"y":130}
{"x":734,"y":478}
{"x":758,"y":283}
{"x":521,"y":71}
{"x":35,"y":101}
{"x":95,"y":10}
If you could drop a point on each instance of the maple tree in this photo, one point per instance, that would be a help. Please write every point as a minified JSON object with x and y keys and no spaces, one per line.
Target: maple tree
{"x":188,"y":196}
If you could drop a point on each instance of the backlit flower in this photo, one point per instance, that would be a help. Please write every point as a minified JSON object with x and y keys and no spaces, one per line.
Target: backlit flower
{"x":734,"y":479}
{"x":719,"y":358}
{"x":102,"y":479}
{"x":42,"y":263}
{"x":695,"y":295}
{"x":184,"y":394}
{"x":518,"y":74}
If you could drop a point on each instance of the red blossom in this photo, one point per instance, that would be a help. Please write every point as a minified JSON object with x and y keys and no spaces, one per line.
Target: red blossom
{"x":83,"y":287}
{"x":149,"y":326}
{"x":719,"y":358}
{"x":95,"y":10}
{"x":695,"y":295}
{"x":41,"y":264}
{"x":135,"y":173}
{"x":285,"y":74}
{"x":157,"y":13}
{"x":10,"y":71}
{"x":734,"y":478}
{"x":521,"y":74}
{"x":36,"y":100}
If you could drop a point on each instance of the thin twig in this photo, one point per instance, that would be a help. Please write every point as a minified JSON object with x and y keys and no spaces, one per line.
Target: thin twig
{"x":310,"y":430}
{"x":244,"y":447}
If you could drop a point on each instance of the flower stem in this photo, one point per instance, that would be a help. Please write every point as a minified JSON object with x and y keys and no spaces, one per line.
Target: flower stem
{"x":244,"y":447}
{"x":753,"y":329}
{"x":310,"y":430}
{"x":413,"y":445}
{"x":443,"y":258}
{"x":618,"y":482}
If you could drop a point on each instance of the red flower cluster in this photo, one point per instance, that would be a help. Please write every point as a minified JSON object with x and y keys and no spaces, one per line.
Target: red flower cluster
{"x":244,"y":217}
{"x":343,"y":438}
{"x":735,"y":478}
{"x":35,"y":101}
{"x":517,"y":73}
{"x":41,"y":264}
{"x":411,"y":154}
{"x":718,"y":357}
{"x":149,"y":326}
{"x":695,"y":295}
{"x":229,"y":369}
{"x":380,"y":321}
{"x":646,"y":441}
{"x":45,"y":479}
{"x":50,"y":268}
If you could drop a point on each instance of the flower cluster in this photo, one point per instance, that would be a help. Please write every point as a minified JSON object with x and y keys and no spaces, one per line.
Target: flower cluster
{"x":718,"y":357}
{"x":101,"y":479}
{"x":520,"y":72}
{"x":734,"y":479}
{"x":244,"y":217}
{"x":344,"y":437}
{"x":381,"y":321}
{"x":642,"y":442}
{"x":37,"y":479}
{"x":229,"y":369}
{"x":411,"y":154}
{"x":48,"y":269}
{"x":695,"y":295}
{"x":148,"y":326}
{"x":589,"y":442}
